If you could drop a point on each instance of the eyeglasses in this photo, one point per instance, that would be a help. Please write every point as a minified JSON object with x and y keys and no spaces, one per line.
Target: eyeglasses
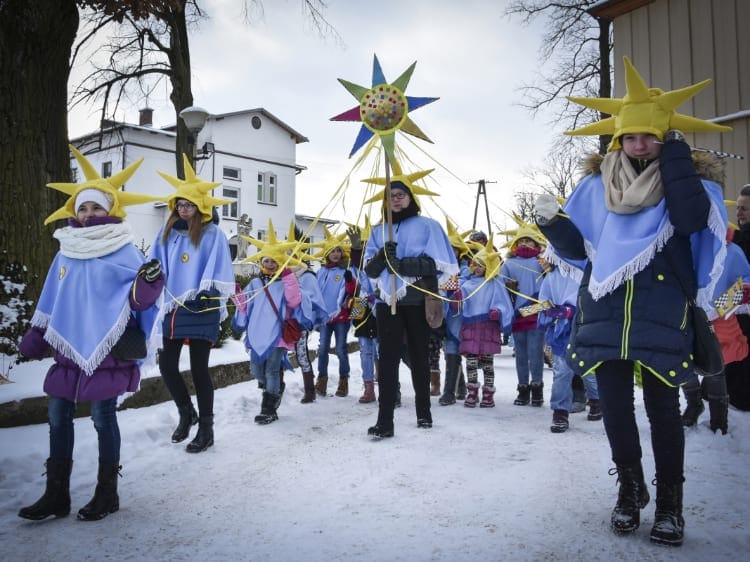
{"x":183,"y":206}
{"x":398,"y":195}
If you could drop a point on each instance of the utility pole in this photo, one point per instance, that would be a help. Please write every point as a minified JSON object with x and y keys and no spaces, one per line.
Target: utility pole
{"x":482,"y":191}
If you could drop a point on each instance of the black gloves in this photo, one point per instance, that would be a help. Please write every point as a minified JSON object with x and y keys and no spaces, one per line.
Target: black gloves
{"x":348,"y":276}
{"x":391,"y":261}
{"x":150,"y":270}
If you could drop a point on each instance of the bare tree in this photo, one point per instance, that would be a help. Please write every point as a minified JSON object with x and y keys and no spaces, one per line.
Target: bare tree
{"x":576,"y":49}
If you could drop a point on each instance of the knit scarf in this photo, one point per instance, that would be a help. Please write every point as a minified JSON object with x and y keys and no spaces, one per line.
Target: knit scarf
{"x":93,"y":241}
{"x":626,"y":191}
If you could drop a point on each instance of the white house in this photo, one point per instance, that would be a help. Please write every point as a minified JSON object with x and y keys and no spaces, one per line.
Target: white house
{"x":252,"y":152}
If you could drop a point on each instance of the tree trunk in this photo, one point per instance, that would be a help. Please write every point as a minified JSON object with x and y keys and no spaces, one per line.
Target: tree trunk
{"x":36,"y":37}
{"x":605,"y":73}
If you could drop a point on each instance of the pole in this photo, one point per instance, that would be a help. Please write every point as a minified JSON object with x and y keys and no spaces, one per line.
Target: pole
{"x":389,"y":220}
{"x":482,"y":191}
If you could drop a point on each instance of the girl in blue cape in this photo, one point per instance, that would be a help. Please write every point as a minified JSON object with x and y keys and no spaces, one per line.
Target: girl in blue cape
{"x":647,"y":224}
{"x":97,"y":286}
{"x":194,"y":253}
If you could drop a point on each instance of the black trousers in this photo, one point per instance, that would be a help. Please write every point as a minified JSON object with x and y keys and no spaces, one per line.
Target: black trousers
{"x":617,"y":396}
{"x":407,"y":325}
{"x":169,"y":366}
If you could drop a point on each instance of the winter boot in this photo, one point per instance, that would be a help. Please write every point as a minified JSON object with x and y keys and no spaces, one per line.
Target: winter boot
{"x":523,"y":395}
{"x":461,"y":384}
{"x":205,"y":436}
{"x":188,"y":418}
{"x":434,"y":383}
{"x":631,"y":498}
{"x":424,"y":420}
{"x":537,"y":394}
{"x":694,"y":406}
{"x":579,"y":395}
{"x":369,"y":394}
{"x":56,"y":498}
{"x":595,"y":410}
{"x":718,"y":408}
{"x":559,"y":421}
{"x":451,"y":373}
{"x":309,"y":381}
{"x":343,"y":389}
{"x":321,"y":387}
{"x":488,"y":397}
{"x":669,"y":526}
{"x":472,"y":395}
{"x":105,"y":500}
{"x":268,"y":406}
{"x":379,"y":431}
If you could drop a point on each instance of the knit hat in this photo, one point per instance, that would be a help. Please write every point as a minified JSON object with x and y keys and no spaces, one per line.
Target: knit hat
{"x":194,"y":190}
{"x":644,"y":110}
{"x":116,"y":200}
{"x":95,"y":196}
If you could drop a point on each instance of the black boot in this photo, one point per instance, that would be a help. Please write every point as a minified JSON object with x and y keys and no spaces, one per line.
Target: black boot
{"x":56,"y":498}
{"x":694,"y":406}
{"x":451,"y":373}
{"x":105,"y":500}
{"x":188,"y":418}
{"x":669,"y":526}
{"x":537,"y":394}
{"x":309,"y":382}
{"x":205,"y":436}
{"x":461,"y":383}
{"x":523,"y":395}
{"x":632,"y":497}
{"x":268,"y":409}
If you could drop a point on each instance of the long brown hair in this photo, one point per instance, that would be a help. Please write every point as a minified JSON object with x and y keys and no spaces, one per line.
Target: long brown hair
{"x":195,"y":227}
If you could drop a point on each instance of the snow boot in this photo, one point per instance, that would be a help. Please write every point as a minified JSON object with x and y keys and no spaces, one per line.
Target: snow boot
{"x":308,"y":379}
{"x":434,"y":383}
{"x":537,"y":394}
{"x":631,"y":498}
{"x":56,"y":498}
{"x":488,"y":397}
{"x":321,"y":387}
{"x":343,"y":389}
{"x":451,"y":373}
{"x":559,"y":421}
{"x":523,"y":395}
{"x":595,"y":410}
{"x":472,"y":395}
{"x":188,"y":418}
{"x":461,"y":384}
{"x":379,"y":431}
{"x":695,"y":407}
{"x":268,"y":407}
{"x":205,"y":436}
{"x":669,"y":525}
{"x":369,"y":394}
{"x":105,"y":500}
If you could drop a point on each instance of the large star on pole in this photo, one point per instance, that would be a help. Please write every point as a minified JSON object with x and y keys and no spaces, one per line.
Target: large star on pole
{"x":383,"y":109}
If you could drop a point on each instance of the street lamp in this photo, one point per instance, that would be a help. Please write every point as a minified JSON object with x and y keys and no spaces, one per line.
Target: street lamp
{"x":194,"y":118}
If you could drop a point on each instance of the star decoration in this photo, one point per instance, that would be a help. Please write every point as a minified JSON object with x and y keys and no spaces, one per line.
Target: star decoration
{"x":383,"y":109}
{"x":457,"y":238}
{"x":488,"y":257}
{"x":111,"y":186}
{"x":332,"y":242}
{"x":277,"y":250}
{"x":523,"y":230}
{"x":399,"y":176}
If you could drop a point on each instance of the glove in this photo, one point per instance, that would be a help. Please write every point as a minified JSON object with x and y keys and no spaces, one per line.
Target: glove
{"x":150,"y":270}
{"x":286,"y":272}
{"x":355,"y":236}
{"x":562,"y":312}
{"x":674,"y":135}
{"x":348,"y":276}
{"x":239,"y":299}
{"x":546,"y":208}
{"x":391,"y":261}
{"x":494,"y":314}
{"x":202,"y":301}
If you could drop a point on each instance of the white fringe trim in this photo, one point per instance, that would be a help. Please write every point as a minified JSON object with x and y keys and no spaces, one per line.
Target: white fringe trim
{"x":565,"y":268}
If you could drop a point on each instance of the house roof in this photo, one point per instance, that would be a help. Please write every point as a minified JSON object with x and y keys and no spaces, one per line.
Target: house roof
{"x":610,"y":9}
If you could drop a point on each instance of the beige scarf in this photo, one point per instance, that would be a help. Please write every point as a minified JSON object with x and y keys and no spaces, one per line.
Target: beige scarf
{"x":627,"y":192}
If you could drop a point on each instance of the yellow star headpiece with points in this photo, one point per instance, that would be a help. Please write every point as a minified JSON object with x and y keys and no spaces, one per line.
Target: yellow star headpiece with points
{"x":523,"y":230}
{"x":488,"y":257}
{"x":298,"y":246}
{"x":644,"y":110}
{"x":332,"y":242}
{"x":111,"y":186}
{"x":278,"y":251}
{"x":364,"y":231}
{"x":194,"y":190}
{"x":456,"y":238}
{"x":407,"y":179}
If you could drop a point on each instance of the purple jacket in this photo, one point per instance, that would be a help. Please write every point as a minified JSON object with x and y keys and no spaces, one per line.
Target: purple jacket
{"x":111,"y":378}
{"x":480,"y":338}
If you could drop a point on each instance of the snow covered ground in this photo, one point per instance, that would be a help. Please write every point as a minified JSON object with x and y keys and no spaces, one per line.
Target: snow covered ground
{"x":482,"y":484}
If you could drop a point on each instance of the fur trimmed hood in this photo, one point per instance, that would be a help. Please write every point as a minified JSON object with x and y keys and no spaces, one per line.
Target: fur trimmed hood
{"x":708,"y":166}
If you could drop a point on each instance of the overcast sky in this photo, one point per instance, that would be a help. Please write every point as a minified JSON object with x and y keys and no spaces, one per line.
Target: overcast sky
{"x":467,"y":54}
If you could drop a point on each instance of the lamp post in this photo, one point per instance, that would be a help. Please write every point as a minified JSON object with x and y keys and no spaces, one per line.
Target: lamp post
{"x":194,"y":118}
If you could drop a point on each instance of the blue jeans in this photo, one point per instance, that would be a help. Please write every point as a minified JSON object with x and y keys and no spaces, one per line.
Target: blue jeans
{"x":368,"y":353}
{"x":60,"y":413}
{"x":268,"y":373}
{"x":340,"y":330}
{"x":529,"y":348}
{"x":561,"y":397}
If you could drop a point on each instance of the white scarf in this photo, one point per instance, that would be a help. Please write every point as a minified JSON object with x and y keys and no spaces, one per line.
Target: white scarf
{"x":626,"y":191}
{"x":93,"y":241}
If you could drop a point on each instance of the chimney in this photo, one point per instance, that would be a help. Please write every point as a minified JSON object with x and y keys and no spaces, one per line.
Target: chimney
{"x":145,"y":117}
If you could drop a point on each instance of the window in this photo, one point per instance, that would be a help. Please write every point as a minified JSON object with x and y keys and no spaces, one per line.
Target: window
{"x":74,"y":175}
{"x":267,"y":188}
{"x":232,"y":210}
{"x":106,"y":169}
{"x":231,"y":173}
{"x":262,"y":235}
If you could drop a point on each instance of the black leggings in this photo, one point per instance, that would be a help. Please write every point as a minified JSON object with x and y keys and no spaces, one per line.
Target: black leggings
{"x":169,"y":365}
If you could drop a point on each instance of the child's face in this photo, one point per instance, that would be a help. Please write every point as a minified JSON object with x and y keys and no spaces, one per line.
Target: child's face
{"x":185,"y":209}
{"x":478,"y":269}
{"x":643,"y":146}
{"x":89,"y":209}
{"x":527,"y":242}
{"x":335,"y":255}
{"x":269,"y":265}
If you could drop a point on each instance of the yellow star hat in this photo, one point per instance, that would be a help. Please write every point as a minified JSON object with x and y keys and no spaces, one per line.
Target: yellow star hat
{"x":456,"y":238}
{"x":297,"y":246}
{"x":364,"y":231}
{"x":194,"y":190}
{"x":273,"y":248}
{"x":644,"y":110}
{"x":523,"y":230}
{"x":488,"y":257}
{"x":407,"y":179}
{"x":111,"y":186}
{"x":332,"y":242}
